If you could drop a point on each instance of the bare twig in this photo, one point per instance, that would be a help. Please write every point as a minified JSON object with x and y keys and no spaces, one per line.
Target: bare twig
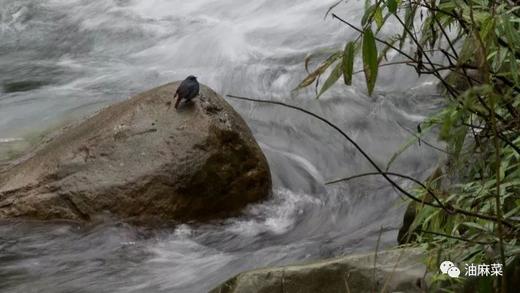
{"x":422,"y":140}
{"x":498,"y":205}
{"x":374,"y":283}
{"x":456,"y":237}
{"x":375,"y":37}
{"x":396,"y":175}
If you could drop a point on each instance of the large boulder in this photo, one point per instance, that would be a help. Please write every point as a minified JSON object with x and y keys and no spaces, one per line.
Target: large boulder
{"x":142,"y":159}
{"x":397,"y":270}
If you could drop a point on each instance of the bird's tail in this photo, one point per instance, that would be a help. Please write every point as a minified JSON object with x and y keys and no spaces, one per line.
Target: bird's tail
{"x":178,"y":101}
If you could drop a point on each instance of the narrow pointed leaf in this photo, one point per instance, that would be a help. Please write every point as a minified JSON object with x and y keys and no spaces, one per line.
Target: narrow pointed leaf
{"x":514,"y":68}
{"x":331,"y":80}
{"x":318,"y":71}
{"x":378,"y":17}
{"x":307,"y":61}
{"x":348,"y":62}
{"x":368,"y":14}
{"x":370,"y":59}
{"x":392,"y":6}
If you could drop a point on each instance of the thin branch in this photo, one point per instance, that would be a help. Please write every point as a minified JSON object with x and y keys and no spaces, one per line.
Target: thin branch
{"x":386,"y":64}
{"x":456,"y":237}
{"x":423,"y":140}
{"x":450,"y":89}
{"x":375,"y":37}
{"x":498,"y":205}
{"x":331,"y":8}
{"x":448,"y":57}
{"x":375,"y":259}
{"x":509,"y":143}
{"x":391,"y":174}
{"x":457,"y":17}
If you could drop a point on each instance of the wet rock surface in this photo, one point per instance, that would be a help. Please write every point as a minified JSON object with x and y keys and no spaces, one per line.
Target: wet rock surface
{"x":142,"y":159}
{"x":398,"y":270}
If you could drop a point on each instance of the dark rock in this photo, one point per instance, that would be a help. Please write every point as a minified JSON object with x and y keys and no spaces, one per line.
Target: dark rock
{"x":23,"y":86}
{"x":437,"y":182}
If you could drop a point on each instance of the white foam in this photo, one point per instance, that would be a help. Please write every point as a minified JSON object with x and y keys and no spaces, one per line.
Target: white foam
{"x":179,"y":261}
{"x":276,"y":216}
{"x":10,"y":139}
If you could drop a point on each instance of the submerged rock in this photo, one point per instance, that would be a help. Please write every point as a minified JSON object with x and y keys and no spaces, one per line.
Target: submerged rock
{"x":23,"y":86}
{"x":142,"y":159}
{"x":397,"y":270}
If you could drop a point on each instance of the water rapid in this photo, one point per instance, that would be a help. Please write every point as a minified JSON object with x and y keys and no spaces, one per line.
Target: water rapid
{"x":64,"y":59}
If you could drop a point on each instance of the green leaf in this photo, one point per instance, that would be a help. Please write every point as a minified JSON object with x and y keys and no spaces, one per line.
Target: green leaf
{"x":514,"y":68}
{"x":348,"y":62}
{"x":487,"y":27}
{"x":475,"y":225}
{"x":378,"y":17}
{"x":510,"y":32}
{"x":368,"y":3}
{"x":392,"y":6}
{"x":318,"y":71}
{"x":513,"y":212}
{"x":331,"y":80}
{"x":370,"y":59}
{"x":368,"y":14}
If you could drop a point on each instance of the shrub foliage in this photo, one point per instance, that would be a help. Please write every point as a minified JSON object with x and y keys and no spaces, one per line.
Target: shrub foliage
{"x":470,"y":213}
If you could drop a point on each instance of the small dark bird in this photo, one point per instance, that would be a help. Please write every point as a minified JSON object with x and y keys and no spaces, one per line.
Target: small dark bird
{"x":188,"y":90}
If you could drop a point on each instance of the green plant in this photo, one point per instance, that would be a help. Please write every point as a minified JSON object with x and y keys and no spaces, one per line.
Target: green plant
{"x":476,"y":218}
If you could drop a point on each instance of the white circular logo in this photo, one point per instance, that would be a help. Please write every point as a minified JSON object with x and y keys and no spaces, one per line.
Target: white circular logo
{"x":445,"y":266}
{"x":454,"y":272}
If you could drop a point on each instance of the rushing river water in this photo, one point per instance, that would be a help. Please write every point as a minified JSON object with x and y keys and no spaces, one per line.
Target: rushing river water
{"x":63,"y":59}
